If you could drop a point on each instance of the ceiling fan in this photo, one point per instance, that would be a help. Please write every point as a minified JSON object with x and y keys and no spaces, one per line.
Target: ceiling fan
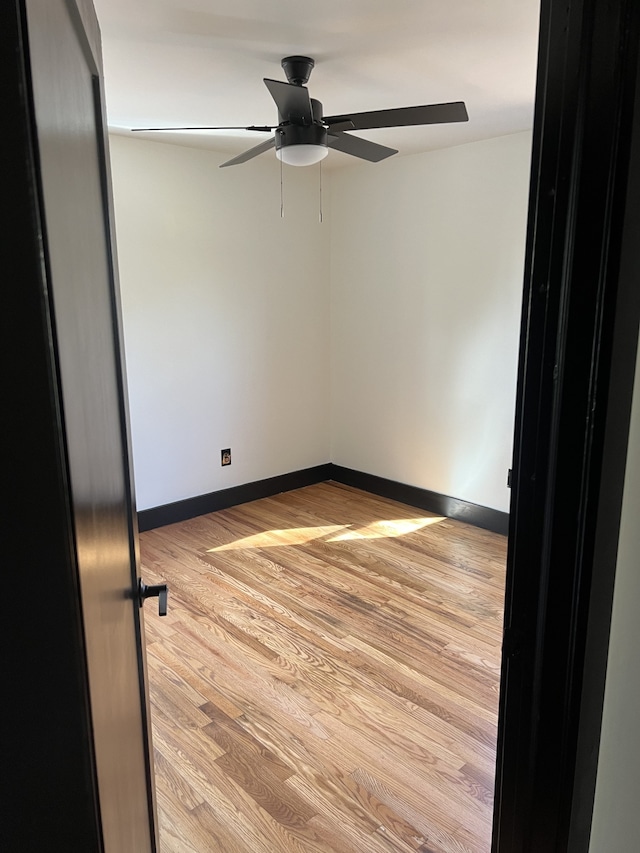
{"x":304,"y":135}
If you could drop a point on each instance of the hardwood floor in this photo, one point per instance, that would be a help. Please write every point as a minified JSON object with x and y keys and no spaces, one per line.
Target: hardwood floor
{"x":327,"y":677}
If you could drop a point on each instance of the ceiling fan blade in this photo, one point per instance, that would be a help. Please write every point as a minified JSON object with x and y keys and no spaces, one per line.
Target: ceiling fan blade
{"x":293,"y":102}
{"x":403,"y":117}
{"x":261,"y":128}
{"x":251,"y":153}
{"x":359,"y":147}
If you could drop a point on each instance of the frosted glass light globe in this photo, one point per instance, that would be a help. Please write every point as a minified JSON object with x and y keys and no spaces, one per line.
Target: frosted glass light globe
{"x":302,"y":154}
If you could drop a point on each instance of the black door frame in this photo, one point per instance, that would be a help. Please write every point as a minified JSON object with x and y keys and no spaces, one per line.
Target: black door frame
{"x":577,"y":361}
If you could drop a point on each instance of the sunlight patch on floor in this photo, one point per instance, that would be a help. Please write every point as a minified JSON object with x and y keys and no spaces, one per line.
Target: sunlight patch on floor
{"x":278,"y":538}
{"x":386,"y":529}
{"x":331,"y":533}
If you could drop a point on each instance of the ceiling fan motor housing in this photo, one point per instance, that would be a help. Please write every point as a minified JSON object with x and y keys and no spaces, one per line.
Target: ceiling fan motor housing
{"x":298,"y":134}
{"x":289,"y":133}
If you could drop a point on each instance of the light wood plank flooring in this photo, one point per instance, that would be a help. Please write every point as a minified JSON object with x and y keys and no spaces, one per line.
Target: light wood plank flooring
{"x":327,"y":677}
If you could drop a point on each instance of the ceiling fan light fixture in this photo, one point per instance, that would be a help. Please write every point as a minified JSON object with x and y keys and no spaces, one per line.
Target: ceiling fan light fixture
{"x":302,"y":154}
{"x":304,"y":134}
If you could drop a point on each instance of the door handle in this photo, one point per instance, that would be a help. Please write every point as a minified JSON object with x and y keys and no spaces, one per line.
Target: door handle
{"x":160,"y":590}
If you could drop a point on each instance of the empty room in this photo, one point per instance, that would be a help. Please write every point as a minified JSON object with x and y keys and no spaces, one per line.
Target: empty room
{"x":277,"y":393}
{"x":321,"y":368}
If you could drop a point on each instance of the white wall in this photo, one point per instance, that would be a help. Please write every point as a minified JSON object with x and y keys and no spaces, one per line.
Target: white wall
{"x":227,"y":329}
{"x":427,"y":270}
{"x":616,"y":816}
{"x":226,"y":318}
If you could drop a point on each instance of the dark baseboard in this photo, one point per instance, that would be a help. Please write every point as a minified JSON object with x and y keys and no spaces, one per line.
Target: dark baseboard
{"x":479,"y":516}
{"x":159,"y":516}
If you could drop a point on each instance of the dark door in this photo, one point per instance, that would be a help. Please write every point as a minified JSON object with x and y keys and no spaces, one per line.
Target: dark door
{"x":61,"y":96}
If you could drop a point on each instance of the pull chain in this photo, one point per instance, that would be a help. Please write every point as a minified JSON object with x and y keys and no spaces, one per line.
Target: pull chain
{"x":321,"y":192}
{"x":281,"y":193}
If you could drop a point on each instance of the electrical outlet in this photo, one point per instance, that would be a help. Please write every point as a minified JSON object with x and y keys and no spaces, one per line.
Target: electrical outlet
{"x":225,"y":457}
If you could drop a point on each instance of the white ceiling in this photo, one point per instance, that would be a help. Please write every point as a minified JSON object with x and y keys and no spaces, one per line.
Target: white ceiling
{"x":195,"y":62}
